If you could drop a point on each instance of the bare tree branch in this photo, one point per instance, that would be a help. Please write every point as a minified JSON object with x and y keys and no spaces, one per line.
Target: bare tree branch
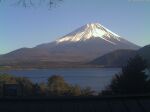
{"x":31,"y":3}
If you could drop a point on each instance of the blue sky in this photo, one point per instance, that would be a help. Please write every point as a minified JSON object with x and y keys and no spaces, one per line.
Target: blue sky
{"x":28,"y":27}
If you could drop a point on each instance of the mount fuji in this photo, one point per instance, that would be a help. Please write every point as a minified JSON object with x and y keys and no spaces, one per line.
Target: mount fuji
{"x":82,"y":45}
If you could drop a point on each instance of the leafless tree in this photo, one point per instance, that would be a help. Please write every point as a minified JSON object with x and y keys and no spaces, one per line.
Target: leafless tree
{"x":31,"y":3}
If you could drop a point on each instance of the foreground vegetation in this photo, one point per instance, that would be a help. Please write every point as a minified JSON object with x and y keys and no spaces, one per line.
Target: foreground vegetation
{"x":133,"y":79}
{"x":56,"y":86}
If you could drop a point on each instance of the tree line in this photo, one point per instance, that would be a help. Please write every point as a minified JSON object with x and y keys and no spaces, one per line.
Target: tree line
{"x":55,"y":86}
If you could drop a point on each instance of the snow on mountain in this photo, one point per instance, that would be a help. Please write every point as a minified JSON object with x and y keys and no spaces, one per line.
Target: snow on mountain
{"x":82,"y":45}
{"x":89,"y":31}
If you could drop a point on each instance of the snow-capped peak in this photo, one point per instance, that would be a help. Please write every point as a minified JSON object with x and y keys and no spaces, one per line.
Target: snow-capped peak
{"x":89,"y":31}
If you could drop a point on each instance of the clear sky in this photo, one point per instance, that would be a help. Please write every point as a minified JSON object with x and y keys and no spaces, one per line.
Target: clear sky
{"x":28,"y":27}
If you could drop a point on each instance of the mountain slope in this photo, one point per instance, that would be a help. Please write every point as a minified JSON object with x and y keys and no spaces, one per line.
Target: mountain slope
{"x":82,"y":45}
{"x":120,"y":57}
{"x":115,"y":58}
{"x":88,"y":42}
{"x":145,"y":53}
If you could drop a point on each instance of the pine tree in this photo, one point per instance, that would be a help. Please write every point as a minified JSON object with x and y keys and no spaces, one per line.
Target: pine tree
{"x":132,"y":79}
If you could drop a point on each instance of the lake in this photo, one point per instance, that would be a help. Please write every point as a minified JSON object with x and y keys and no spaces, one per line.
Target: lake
{"x":96,"y":78}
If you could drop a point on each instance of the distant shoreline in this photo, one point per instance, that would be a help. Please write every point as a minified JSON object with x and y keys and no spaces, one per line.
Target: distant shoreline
{"x":52,"y":67}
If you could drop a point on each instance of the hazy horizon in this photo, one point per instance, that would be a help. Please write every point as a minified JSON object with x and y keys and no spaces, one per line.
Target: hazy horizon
{"x":28,"y":27}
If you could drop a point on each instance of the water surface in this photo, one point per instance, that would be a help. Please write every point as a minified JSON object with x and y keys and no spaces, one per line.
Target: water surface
{"x":96,"y":78}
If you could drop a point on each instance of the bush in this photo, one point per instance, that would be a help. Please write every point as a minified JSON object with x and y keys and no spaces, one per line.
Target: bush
{"x":57,"y":85}
{"x":74,"y":90}
{"x":43,"y":89}
{"x":24,"y":83}
{"x":27,"y":86}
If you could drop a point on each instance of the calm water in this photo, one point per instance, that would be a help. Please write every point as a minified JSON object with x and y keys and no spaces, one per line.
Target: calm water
{"x":96,"y":78}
